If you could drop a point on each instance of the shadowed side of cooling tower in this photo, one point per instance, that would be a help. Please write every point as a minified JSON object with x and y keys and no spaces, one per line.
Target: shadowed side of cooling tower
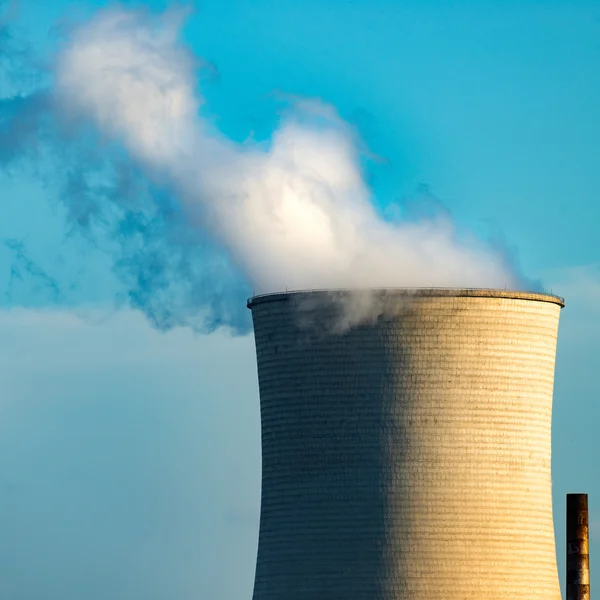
{"x":407,"y":457}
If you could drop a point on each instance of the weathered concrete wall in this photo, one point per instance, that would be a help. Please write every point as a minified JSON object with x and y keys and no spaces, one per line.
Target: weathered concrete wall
{"x":408,"y":458}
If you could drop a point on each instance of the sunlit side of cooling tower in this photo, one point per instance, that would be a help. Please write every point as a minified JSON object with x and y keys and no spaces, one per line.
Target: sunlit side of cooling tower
{"x":407,"y":457}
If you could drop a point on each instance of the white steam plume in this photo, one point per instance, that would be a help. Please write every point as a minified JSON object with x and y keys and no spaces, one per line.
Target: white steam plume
{"x":295,"y":214}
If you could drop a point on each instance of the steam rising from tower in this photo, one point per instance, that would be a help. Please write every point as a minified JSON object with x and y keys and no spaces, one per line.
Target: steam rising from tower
{"x":193,"y":219}
{"x":292,"y":212}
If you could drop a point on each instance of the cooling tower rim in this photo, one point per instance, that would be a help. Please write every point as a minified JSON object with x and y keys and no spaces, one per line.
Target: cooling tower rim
{"x":414,"y":292}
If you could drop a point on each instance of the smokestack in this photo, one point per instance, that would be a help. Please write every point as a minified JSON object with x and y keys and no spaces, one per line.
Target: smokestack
{"x":406,"y":457}
{"x":578,"y":559}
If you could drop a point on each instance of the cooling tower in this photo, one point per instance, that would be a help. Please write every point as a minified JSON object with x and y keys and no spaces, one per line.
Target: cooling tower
{"x":407,"y":456}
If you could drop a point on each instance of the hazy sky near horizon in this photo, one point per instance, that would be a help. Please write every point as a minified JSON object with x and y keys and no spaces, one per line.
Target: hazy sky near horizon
{"x":130,"y":457}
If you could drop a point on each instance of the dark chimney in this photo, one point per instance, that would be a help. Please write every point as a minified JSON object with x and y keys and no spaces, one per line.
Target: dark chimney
{"x":578,"y":559}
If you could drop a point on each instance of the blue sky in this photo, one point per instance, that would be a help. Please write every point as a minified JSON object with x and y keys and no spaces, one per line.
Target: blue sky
{"x":130,"y":457}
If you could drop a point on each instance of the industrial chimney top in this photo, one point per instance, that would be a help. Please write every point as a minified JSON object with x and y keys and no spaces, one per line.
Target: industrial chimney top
{"x":419,"y":292}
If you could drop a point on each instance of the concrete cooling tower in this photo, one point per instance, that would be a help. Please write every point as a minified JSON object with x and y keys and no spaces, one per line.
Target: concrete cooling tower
{"x":406,"y":457}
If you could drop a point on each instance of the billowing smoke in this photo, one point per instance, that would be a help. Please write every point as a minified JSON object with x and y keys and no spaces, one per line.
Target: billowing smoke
{"x":292,"y":213}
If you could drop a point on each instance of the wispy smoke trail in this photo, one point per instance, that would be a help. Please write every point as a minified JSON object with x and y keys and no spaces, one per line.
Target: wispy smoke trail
{"x":24,"y":268}
{"x":294,"y":213}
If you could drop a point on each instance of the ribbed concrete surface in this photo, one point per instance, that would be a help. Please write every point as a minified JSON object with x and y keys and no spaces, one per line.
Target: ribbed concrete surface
{"x":408,"y":458}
